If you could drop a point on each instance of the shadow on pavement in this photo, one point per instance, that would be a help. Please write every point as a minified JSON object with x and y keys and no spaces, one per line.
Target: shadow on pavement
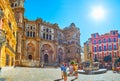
{"x":2,"y":79}
{"x":57,"y":79}
{"x":73,"y":79}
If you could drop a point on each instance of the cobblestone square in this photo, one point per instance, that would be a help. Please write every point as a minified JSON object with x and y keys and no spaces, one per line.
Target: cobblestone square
{"x":50,"y":74}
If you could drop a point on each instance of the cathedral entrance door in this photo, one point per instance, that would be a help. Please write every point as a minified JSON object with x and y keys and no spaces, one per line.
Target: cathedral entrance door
{"x":45,"y":58}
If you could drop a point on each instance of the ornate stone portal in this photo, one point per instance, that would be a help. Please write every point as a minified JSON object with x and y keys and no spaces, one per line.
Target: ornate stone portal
{"x":47,"y":56}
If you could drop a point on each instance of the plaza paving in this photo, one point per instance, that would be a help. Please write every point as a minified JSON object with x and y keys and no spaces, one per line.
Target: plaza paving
{"x":50,"y":74}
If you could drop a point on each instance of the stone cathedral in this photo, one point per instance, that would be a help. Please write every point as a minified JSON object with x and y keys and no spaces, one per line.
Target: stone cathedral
{"x":42,"y":42}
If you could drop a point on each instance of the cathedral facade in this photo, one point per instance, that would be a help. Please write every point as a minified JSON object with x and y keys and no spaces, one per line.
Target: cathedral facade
{"x":40,"y":42}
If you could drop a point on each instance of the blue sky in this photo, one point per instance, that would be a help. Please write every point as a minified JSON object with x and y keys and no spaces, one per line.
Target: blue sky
{"x":65,"y":12}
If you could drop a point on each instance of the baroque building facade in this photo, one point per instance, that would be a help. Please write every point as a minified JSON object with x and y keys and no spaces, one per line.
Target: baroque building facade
{"x":103,"y":45}
{"x":40,"y":42}
{"x":119,"y":42}
{"x":8,"y":29}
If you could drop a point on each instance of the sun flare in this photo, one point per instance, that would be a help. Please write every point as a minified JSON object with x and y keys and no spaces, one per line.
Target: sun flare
{"x":98,"y":13}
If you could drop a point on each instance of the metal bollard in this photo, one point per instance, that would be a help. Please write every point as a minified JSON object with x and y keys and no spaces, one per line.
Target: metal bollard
{"x":0,"y":69}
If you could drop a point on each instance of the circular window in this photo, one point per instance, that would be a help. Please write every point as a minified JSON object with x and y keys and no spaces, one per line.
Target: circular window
{"x":30,"y":57}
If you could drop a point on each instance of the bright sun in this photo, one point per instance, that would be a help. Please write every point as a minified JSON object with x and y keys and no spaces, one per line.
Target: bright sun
{"x":98,"y":13}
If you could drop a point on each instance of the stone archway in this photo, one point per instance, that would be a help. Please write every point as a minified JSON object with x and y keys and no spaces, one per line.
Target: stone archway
{"x":47,"y":55}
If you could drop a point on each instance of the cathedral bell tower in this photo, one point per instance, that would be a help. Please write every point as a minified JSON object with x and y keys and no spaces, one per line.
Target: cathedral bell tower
{"x":18,"y":9}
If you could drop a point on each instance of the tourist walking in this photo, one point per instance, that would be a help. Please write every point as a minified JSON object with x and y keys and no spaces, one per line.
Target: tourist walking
{"x":65,"y":72}
{"x":62,"y":67}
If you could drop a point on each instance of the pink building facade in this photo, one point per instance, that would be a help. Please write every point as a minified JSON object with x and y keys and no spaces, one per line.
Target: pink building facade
{"x":105,"y":45}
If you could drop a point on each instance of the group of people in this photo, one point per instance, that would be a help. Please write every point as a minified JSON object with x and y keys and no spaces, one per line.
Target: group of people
{"x":73,"y":70}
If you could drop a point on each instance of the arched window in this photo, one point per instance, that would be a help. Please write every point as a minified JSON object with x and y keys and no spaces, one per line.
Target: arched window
{"x":47,"y":36}
{"x":27,"y":34}
{"x":31,"y":34}
{"x":44,"y":35}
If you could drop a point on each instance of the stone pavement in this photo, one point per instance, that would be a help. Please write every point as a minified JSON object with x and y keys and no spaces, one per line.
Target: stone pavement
{"x":50,"y":74}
